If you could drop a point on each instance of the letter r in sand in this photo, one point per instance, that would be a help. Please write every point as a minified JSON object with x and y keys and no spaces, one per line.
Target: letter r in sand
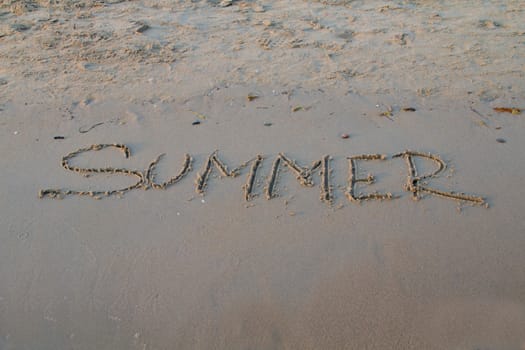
{"x":414,"y":181}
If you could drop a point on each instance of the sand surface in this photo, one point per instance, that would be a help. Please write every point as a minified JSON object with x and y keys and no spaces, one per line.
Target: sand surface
{"x":175,"y":269}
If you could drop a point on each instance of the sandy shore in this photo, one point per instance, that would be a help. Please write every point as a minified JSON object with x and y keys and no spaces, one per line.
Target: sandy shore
{"x":303,"y":263}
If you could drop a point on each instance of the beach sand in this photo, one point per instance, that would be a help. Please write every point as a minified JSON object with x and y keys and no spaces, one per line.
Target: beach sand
{"x":177,"y":269}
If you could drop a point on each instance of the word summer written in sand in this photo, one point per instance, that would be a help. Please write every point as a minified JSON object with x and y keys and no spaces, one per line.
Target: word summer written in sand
{"x":417,"y":184}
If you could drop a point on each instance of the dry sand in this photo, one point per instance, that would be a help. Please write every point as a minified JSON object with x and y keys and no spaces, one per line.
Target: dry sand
{"x":171,"y":269}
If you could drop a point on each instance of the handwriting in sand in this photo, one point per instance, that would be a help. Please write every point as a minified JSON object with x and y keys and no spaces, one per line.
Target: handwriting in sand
{"x":416,"y":183}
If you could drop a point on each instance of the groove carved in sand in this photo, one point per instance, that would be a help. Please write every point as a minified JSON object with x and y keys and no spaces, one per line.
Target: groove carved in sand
{"x":302,"y":174}
{"x":353,"y":179}
{"x":250,"y":180}
{"x":60,"y":193}
{"x":416,"y":184}
{"x":326,"y":187}
{"x":214,"y":161}
{"x":150,"y":173}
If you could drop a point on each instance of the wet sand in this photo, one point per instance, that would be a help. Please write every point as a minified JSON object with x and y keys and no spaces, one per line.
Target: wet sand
{"x":172,"y":268}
